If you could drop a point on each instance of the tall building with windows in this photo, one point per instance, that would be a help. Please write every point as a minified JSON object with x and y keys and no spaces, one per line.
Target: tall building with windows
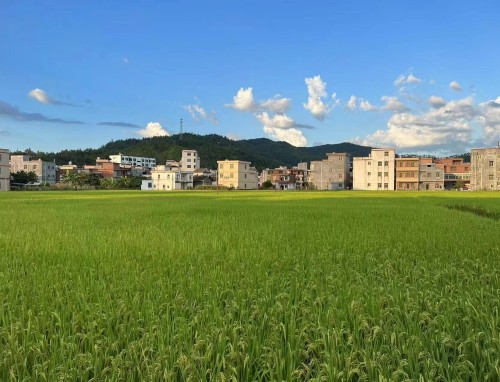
{"x":485,"y":169}
{"x":45,"y":171}
{"x":4,"y":170}
{"x":431,"y":175}
{"x":331,"y":173}
{"x":190,"y":160}
{"x":456,"y":172}
{"x":375,"y":172}
{"x":407,"y":174}
{"x":237,"y":174}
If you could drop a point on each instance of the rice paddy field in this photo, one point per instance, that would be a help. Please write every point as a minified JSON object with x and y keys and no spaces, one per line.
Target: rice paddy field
{"x":249,"y":286}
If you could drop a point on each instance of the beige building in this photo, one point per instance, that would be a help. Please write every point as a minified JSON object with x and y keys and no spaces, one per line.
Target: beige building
{"x":485,"y":166}
{"x":190,"y":160}
{"x":331,"y":173}
{"x":431,"y":175}
{"x":237,"y":174}
{"x":4,"y":170}
{"x":407,"y":174}
{"x":45,"y":171}
{"x":375,"y":172}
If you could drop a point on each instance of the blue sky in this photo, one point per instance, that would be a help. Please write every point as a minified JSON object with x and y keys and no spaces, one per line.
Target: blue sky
{"x":421,"y":76}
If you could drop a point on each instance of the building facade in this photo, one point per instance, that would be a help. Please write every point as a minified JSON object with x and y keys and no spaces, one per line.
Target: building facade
{"x":108,"y":169}
{"x":375,"y":172}
{"x":237,"y":174}
{"x":122,"y":159}
{"x":4,"y":170}
{"x":431,"y":175}
{"x":164,"y":178}
{"x":407,"y":174}
{"x":331,"y":173}
{"x":457,"y":173}
{"x":485,"y":169}
{"x":190,"y":160}
{"x":46,"y":172}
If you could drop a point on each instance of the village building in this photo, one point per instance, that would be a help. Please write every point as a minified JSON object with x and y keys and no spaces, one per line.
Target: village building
{"x":45,"y":171}
{"x":108,"y":169}
{"x":4,"y":170}
{"x":456,"y":173}
{"x":331,"y":173}
{"x":485,"y":165}
{"x":407,"y":174}
{"x":375,"y":172}
{"x":147,"y":163}
{"x":431,"y":175}
{"x":236,"y":174}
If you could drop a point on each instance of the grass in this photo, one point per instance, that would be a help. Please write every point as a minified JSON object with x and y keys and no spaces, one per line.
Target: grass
{"x":247,"y":286}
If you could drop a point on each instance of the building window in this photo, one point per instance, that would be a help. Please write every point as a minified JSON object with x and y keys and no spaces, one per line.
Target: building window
{"x":188,"y":154}
{"x":386,"y":174}
{"x":380,"y":163}
{"x":386,"y":163}
{"x":368,"y":184}
{"x":490,"y":163}
{"x":379,"y":174}
{"x":245,"y":176}
{"x":379,"y":185}
{"x":386,"y":185}
{"x":231,"y":175}
{"x":188,"y":166}
{"x":490,"y":177}
{"x":231,"y":166}
{"x":221,"y":166}
{"x":386,"y":153}
{"x":369,"y":173}
{"x":189,"y":160}
{"x":369,"y":163}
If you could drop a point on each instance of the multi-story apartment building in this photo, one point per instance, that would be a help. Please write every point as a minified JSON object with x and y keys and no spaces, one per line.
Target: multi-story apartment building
{"x":431,"y":175}
{"x":108,"y":169}
{"x":45,"y":171}
{"x":375,"y":172}
{"x":407,"y":173}
{"x":237,"y":174}
{"x":485,"y":164}
{"x":190,"y":160}
{"x":284,"y":178}
{"x":123,"y":159}
{"x":456,"y":172}
{"x":4,"y":170}
{"x":331,"y":173}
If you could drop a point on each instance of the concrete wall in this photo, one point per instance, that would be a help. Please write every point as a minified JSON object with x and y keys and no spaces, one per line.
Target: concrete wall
{"x":4,"y":170}
{"x":375,"y":172}
{"x":485,"y":169}
{"x":331,"y":173}
{"x":45,"y":171}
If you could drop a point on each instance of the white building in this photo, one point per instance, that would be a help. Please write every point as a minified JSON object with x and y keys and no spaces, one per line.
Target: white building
{"x":148,"y":163}
{"x":164,"y":178}
{"x":4,"y":170}
{"x":45,"y":171}
{"x":190,"y":160}
{"x":375,"y":172}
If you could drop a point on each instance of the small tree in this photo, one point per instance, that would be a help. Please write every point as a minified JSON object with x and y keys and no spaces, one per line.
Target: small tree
{"x":23,"y":177}
{"x":266,"y":185}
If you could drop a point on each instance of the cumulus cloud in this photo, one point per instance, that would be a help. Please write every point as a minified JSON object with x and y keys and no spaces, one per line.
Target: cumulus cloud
{"x":118,"y":124}
{"x":490,"y":120}
{"x":41,"y":96}
{"x":276,"y":104}
{"x":352,"y":103}
{"x":454,"y":85}
{"x":409,"y":79}
{"x":153,"y":129}
{"x":233,"y":137}
{"x":394,"y":105}
{"x":293,"y":136}
{"x":280,"y":121}
{"x":367,"y":106}
{"x":243,"y":100}
{"x":13,"y":112}
{"x":317,"y":91}
{"x":448,"y":126}
{"x":436,"y":102}
{"x":198,"y":113}
{"x":335,"y":100}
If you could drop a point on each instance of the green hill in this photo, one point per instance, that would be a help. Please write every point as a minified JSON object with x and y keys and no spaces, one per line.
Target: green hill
{"x":262,"y":152}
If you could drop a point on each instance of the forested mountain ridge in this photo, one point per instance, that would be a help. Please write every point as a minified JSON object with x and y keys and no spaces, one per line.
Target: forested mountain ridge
{"x":261,"y":152}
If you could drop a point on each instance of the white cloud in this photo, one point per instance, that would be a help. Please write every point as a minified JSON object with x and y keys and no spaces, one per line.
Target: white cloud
{"x":394,"y":105}
{"x":335,"y":100}
{"x":41,"y":96}
{"x":279,"y":121}
{"x":153,"y":129}
{"x":276,"y":104}
{"x":436,"y":102}
{"x":198,"y":113}
{"x":233,"y":137}
{"x":367,"y":106}
{"x":447,"y":126}
{"x":454,"y":85}
{"x":490,"y":119}
{"x":409,"y":79}
{"x":293,"y":136}
{"x":317,"y":90}
{"x":243,"y":100}
{"x":351,"y":104}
